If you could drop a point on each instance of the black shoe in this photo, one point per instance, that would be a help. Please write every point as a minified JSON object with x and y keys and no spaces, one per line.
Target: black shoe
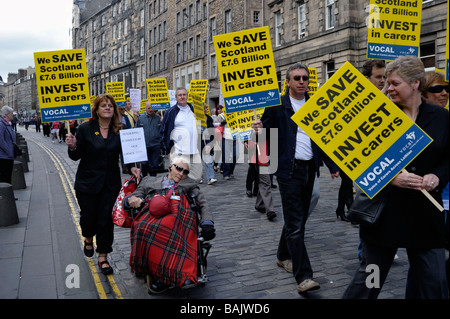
{"x":88,"y":252}
{"x":105,"y":270}
{"x":157,"y":287}
{"x":274,"y":186}
{"x":249,"y":193}
{"x":271,"y":215}
{"x":342,"y":216}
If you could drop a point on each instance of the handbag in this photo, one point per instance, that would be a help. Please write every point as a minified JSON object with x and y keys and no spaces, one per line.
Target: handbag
{"x":121,"y":217}
{"x":366,"y":211}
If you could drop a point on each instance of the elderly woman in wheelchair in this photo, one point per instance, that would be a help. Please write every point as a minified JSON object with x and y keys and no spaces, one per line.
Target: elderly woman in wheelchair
{"x":165,"y":246}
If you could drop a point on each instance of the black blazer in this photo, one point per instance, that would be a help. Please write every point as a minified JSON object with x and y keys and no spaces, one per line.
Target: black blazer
{"x":99,"y":165}
{"x":410,"y":220}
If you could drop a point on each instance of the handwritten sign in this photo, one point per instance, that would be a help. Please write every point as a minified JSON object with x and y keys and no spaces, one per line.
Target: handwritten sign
{"x":133,"y":145}
{"x":393,"y":28}
{"x":62,"y":84}
{"x":362,"y":131}
{"x":247,"y":69}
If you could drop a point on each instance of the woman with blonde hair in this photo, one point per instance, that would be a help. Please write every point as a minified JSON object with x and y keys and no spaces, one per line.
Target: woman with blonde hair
{"x":98,"y":180}
{"x":409,"y":219}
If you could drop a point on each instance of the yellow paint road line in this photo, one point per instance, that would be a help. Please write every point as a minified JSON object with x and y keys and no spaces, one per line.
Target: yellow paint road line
{"x":69,"y":189}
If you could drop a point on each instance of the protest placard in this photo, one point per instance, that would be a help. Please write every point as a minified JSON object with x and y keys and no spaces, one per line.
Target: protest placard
{"x":247,"y":71}
{"x":133,"y":145}
{"x":198,"y":87}
{"x":393,"y":28}
{"x":447,"y":50}
{"x":62,"y":85}
{"x":199,"y":111}
{"x":363,"y":132}
{"x":313,"y":84}
{"x":135,"y":99}
{"x":117,"y":90}
{"x":158,"y":94}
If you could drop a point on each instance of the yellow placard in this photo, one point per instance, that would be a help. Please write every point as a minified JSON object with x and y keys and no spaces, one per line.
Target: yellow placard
{"x":143,"y":109}
{"x":199,"y":112}
{"x":313,"y":85}
{"x":117,"y":90}
{"x":354,"y":123}
{"x":247,"y":69}
{"x":158,"y":93}
{"x":198,"y":87}
{"x":393,"y":28}
{"x":62,"y":85}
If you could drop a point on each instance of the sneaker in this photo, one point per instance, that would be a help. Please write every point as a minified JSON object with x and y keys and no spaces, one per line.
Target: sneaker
{"x":212,"y":181}
{"x":201,"y":181}
{"x":226,"y":178}
{"x":286,"y":264}
{"x":308,"y":285}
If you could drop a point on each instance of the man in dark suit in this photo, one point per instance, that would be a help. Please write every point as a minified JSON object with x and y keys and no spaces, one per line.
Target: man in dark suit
{"x":299,"y":160}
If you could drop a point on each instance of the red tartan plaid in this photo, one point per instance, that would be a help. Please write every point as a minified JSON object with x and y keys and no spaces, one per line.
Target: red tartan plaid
{"x":166,"y":247}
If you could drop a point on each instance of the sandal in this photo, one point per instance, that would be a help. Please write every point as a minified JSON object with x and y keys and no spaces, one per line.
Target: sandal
{"x":105,"y":270}
{"x":88,"y":252}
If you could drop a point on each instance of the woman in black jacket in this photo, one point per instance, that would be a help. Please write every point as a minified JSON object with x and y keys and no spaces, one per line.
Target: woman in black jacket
{"x":98,"y":181}
{"x":409,"y":219}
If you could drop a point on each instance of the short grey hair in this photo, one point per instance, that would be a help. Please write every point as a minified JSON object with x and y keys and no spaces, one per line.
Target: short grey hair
{"x":6,"y":110}
{"x":294,"y":67}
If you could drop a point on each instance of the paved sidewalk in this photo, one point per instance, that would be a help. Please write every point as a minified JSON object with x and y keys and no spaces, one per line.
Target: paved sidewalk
{"x":241,"y":263}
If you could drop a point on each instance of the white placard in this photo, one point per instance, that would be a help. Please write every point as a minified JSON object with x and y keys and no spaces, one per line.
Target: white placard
{"x":135,"y":99}
{"x":133,"y":145}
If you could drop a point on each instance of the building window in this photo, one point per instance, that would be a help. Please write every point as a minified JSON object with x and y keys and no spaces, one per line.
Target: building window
{"x":120,"y":55}
{"x":301,"y":20}
{"x":94,"y":44}
{"x":329,"y":14}
{"x":278,"y":28}
{"x":165,"y":59}
{"x":103,"y":20}
{"x":114,"y":32}
{"x":142,"y":20}
{"x":165,"y":30}
{"x":114,"y":57}
{"x":178,"y":21}
{"x":199,"y":44}
{"x":125,"y":27}
{"x":150,"y":38}
{"x":103,"y":40}
{"x":178,"y":53}
{"x":183,"y":77}
{"x":213,"y":28}
{"x":256,"y":17}
{"x":185,"y":18}
{"x":191,"y":47}
{"x":191,"y":14}
{"x":329,"y":69}
{"x":189,"y":74}
{"x":103,"y":63}
{"x":213,"y":66}
{"x":196,"y":71}
{"x":125,"y":53}
{"x":120,"y":30}
{"x":142,"y":49}
{"x":228,"y":27}
{"x":198,"y":7}
{"x":185,"y":52}
{"x":143,"y":73}
{"x":427,"y":55}
{"x":150,"y":11}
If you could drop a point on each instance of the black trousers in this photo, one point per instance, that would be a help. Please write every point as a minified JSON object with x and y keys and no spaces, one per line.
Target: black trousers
{"x":426,"y":276}
{"x":96,"y":219}
{"x":6,"y":168}
{"x":345,"y":195}
{"x":296,"y":198}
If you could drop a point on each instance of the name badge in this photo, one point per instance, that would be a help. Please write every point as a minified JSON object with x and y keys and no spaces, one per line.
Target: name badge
{"x":175,"y":197}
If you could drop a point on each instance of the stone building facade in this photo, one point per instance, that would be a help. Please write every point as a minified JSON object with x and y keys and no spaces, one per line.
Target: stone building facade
{"x":131,"y":40}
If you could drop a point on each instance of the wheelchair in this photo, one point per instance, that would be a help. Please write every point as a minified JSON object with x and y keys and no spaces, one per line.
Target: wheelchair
{"x":203,"y":248}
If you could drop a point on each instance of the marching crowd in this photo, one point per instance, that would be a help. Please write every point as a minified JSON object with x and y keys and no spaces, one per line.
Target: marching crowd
{"x":163,"y":199}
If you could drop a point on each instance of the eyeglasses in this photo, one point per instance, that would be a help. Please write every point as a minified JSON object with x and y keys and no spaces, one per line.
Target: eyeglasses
{"x":303,"y":77}
{"x":181,"y":169}
{"x":438,"y":88}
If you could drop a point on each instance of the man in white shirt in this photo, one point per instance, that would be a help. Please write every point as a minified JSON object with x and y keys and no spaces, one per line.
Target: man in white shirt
{"x":179,"y":134}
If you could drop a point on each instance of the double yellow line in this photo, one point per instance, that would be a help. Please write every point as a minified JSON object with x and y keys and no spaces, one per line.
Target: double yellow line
{"x":68,"y":189}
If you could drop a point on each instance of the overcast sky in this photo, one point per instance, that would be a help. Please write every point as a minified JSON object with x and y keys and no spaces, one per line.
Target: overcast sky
{"x":28,"y":26}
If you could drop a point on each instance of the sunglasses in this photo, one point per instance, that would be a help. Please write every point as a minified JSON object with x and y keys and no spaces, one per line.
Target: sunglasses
{"x":303,"y":77}
{"x":438,"y":88}
{"x":181,"y":169}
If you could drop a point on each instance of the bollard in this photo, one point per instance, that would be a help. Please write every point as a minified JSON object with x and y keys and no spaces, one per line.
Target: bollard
{"x":18,"y":176}
{"x":23,"y":161}
{"x":8,"y":209}
{"x":24,"y":149}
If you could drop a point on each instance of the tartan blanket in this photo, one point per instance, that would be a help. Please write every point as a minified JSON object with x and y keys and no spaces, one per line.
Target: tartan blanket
{"x":166,"y":247}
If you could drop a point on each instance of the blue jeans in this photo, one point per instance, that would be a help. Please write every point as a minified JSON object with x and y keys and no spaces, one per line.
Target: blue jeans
{"x":296,"y":198}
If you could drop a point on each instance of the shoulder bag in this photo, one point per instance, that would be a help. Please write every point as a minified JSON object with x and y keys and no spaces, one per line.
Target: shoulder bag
{"x":366,"y":211}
